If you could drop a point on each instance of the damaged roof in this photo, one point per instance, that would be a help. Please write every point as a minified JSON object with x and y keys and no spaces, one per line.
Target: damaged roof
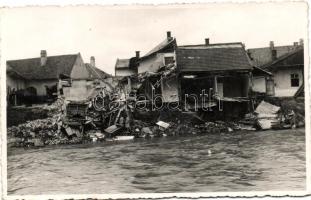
{"x":215,"y":57}
{"x":168,"y":43}
{"x":32,"y":69}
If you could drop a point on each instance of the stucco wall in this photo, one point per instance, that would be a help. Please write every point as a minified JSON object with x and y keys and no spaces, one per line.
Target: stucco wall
{"x":40,"y":85}
{"x":79,"y":70}
{"x":282,"y":81}
{"x":124,"y":72}
{"x":259,"y":84}
{"x":77,"y":91}
{"x":15,"y":83}
{"x":154,"y":63}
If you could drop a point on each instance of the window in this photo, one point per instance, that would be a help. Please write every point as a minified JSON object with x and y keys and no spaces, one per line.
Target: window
{"x":294,"y":80}
{"x":168,"y":60}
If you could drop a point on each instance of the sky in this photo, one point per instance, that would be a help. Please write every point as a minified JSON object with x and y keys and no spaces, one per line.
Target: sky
{"x":111,"y":32}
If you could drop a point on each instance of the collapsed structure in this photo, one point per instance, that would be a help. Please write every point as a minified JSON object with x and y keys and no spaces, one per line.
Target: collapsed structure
{"x":171,"y":90}
{"x":206,"y":77}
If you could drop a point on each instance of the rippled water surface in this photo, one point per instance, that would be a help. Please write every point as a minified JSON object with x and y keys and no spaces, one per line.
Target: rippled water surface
{"x":243,"y":161}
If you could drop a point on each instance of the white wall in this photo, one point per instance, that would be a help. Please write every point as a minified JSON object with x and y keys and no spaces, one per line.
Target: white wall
{"x":154,"y":63}
{"x":15,"y":83}
{"x":282,"y":81}
{"x":124,"y":72}
{"x":40,"y":85}
{"x":79,"y":70}
{"x":77,"y":91}
{"x":259,"y":84}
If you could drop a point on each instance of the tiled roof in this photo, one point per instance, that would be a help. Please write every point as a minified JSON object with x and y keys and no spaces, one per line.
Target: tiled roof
{"x":122,"y":63}
{"x":13,"y":73}
{"x":213,"y":46}
{"x":293,"y":58}
{"x":55,"y":65}
{"x":220,"y":57}
{"x":262,"y":56}
{"x":167,"y":43}
{"x":96,"y":73}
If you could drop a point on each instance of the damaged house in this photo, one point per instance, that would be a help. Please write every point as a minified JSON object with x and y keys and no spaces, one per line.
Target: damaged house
{"x":125,"y":70}
{"x":206,"y":77}
{"x":155,"y":69}
{"x":126,"y":67}
{"x":285,"y":63}
{"x":221,"y":73}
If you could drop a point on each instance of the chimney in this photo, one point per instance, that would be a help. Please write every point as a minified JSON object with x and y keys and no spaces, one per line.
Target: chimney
{"x":243,"y":45}
{"x":206,"y":41}
{"x":43,"y":58}
{"x":301,"y":42}
{"x":92,"y":61}
{"x":168,"y":35}
{"x":273,"y":54}
{"x":271,"y":45}
{"x":295,"y":44}
{"x":137,"y":54}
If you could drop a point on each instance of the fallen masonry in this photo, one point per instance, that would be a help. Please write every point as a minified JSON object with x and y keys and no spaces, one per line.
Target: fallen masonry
{"x":112,"y":117}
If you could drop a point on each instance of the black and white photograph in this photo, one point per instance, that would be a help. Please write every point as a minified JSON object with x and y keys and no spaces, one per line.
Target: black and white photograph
{"x":172,"y":99}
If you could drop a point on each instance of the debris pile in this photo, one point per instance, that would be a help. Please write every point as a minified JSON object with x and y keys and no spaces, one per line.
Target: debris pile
{"x":109,"y":116}
{"x":55,"y":108}
{"x":268,"y":115}
{"x":39,"y":132}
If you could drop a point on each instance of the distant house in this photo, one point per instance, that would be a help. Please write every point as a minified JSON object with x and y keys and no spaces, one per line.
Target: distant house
{"x":80,"y":89}
{"x":47,"y":77}
{"x":99,"y":75}
{"x":126,"y":67}
{"x":40,"y":76}
{"x":286,"y":63}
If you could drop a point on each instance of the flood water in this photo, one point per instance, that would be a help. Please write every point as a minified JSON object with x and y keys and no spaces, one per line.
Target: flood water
{"x":240,"y":161}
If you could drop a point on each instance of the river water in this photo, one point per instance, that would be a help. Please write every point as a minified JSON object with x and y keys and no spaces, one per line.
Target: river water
{"x":239,"y":161}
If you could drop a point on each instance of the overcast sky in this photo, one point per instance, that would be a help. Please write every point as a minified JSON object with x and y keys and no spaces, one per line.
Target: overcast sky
{"x":115,"y":32}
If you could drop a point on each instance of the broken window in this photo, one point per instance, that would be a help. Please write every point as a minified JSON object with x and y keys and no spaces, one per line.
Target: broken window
{"x":168,"y":60}
{"x":294,"y":80}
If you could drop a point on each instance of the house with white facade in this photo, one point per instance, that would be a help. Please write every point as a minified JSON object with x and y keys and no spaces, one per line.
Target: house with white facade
{"x":286,"y":63}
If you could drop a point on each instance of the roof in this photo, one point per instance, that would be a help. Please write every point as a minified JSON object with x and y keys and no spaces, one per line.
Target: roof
{"x":213,"y":46}
{"x":262,"y":56}
{"x":122,"y":63}
{"x":96,"y":73}
{"x":13,"y":73}
{"x":219,"y":57}
{"x":167,"y":43}
{"x":55,"y":65}
{"x":257,"y":71}
{"x":293,"y":58}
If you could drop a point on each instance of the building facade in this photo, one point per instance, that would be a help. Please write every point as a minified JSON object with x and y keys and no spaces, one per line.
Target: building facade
{"x":285,"y":63}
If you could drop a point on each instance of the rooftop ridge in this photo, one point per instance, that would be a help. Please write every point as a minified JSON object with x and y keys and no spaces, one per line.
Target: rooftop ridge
{"x":24,"y":59}
{"x":214,"y":44}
